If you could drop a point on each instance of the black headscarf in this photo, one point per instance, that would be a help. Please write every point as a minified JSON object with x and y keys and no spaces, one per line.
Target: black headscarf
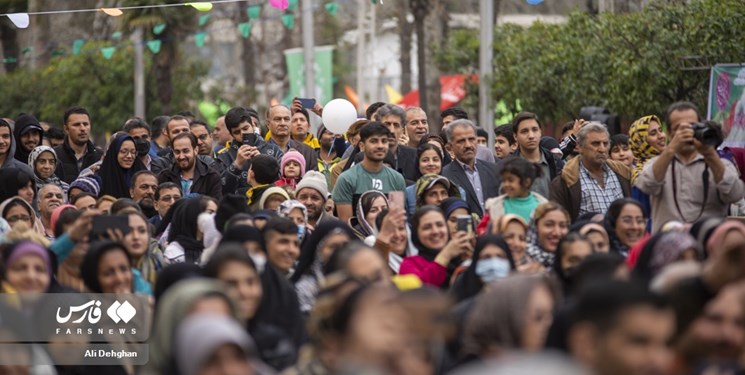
{"x":116,"y":180}
{"x":89,"y":267}
{"x":13,"y":179}
{"x":611,"y":217}
{"x":309,"y":252}
{"x":424,"y":252}
{"x":470,"y":284}
{"x":184,"y":229}
{"x":446,"y":159}
{"x":172,"y":274}
{"x":243,"y":233}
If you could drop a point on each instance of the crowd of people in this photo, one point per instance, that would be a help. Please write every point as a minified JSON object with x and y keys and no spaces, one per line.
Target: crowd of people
{"x":266,"y":248}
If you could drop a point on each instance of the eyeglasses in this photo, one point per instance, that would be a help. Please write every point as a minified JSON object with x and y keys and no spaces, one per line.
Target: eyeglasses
{"x":203,"y":137}
{"x":124,"y":152}
{"x":168,"y":198}
{"x":15,"y":218}
{"x":630,"y":220}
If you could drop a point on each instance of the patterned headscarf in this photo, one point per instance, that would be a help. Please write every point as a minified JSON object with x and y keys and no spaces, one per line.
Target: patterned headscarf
{"x":35,"y":153}
{"x":286,"y":207}
{"x":641,"y":149}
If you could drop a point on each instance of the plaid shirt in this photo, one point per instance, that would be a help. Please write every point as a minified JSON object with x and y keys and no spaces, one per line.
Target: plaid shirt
{"x":594,"y":198}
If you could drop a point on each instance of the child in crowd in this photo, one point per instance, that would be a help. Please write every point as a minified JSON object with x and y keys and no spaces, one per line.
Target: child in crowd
{"x":293,"y":169}
{"x":620,"y":150}
{"x":518,"y":176}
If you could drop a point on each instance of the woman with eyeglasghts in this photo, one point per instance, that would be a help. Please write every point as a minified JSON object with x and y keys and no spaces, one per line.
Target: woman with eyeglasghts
{"x":626,"y":223}
{"x":16,"y":211}
{"x":119,"y":164}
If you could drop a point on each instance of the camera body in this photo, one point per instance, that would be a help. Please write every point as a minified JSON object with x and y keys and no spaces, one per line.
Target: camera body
{"x":708,"y":133}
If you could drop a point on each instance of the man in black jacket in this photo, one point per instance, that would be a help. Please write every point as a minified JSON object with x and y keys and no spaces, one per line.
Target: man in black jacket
{"x":77,"y":152}
{"x":190,"y":172}
{"x":527,"y":131}
{"x":278,"y":121}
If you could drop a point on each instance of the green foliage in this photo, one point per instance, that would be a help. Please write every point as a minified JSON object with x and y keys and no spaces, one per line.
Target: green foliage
{"x":105,"y":87}
{"x":634,"y":64}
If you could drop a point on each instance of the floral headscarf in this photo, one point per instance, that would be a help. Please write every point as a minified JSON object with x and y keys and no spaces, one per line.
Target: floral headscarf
{"x":35,"y":153}
{"x":641,"y":149}
{"x":287,"y":206}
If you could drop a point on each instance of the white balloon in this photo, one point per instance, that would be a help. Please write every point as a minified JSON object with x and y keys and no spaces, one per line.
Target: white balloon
{"x":339,"y":115}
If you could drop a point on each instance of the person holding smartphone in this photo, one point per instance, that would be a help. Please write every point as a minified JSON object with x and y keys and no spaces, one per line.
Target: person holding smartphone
{"x":244,"y":146}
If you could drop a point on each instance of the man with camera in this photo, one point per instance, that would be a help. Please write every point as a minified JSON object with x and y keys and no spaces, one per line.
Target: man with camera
{"x":245,"y":143}
{"x":689,"y":180}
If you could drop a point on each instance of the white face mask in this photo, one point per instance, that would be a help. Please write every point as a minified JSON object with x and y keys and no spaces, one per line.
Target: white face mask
{"x":492,"y":269}
{"x":259,"y":261}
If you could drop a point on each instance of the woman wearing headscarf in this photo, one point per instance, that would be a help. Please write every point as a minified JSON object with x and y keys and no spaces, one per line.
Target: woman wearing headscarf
{"x":663,"y":249}
{"x":550,"y":224}
{"x":43,"y":160}
{"x":392,"y":239}
{"x":176,"y":304}
{"x":184,"y":237}
{"x":232,"y":266}
{"x":368,"y":206}
{"x":16,"y":211}
{"x":144,"y":252}
{"x":570,"y":253}
{"x":19,"y":269}
{"x":106,"y":268}
{"x":595,"y":233}
{"x":439,"y":252}
{"x":514,"y":314}
{"x":119,"y":164}
{"x":17,"y":182}
{"x":298,"y":213}
{"x":646,"y":140}
{"x":728,"y":234}
{"x":491,"y":261}
{"x":514,"y":231}
{"x":325,"y":240}
{"x":208,"y":343}
{"x":626,"y":223}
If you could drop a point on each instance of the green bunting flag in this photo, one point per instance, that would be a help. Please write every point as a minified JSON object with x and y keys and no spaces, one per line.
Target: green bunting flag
{"x":154,"y":45}
{"x":332,"y":8}
{"x":253,"y":11}
{"x":117,"y":35}
{"x":107,"y":52}
{"x":203,"y":19}
{"x":27,"y":50}
{"x":10,"y":60}
{"x":58,"y":52}
{"x":291,"y":5}
{"x":158,"y":29}
{"x":199,"y":38}
{"x":77,"y":46}
{"x":288,"y":20}
{"x":245,"y":29}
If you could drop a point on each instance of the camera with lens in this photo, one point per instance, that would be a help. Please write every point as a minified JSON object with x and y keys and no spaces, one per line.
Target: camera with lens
{"x":708,"y":133}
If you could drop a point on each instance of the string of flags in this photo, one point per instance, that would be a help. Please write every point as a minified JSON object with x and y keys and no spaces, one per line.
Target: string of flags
{"x":22,"y":20}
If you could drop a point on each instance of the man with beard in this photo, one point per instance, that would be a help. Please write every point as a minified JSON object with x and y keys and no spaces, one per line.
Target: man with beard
{"x":479,"y":178}
{"x":278,"y":118}
{"x":51,"y":196}
{"x":401,"y":158}
{"x":28,"y":133}
{"x":190,"y":172}
{"x":166,"y":195}
{"x":8,"y":149}
{"x":204,"y":139}
{"x":77,"y":152}
{"x":717,"y":336}
{"x":370,"y":174}
{"x":142,"y":191}
{"x":312,"y":191}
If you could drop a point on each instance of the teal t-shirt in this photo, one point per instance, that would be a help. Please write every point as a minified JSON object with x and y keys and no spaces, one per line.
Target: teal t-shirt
{"x":522,"y":207}
{"x":356,"y":180}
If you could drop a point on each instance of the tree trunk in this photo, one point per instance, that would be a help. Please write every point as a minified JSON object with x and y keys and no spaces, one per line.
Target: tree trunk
{"x":247,"y":53}
{"x":436,"y":25}
{"x":405,"y":30}
{"x":9,"y":39}
{"x":40,"y":36}
{"x":164,"y":62}
{"x":420,"y":8}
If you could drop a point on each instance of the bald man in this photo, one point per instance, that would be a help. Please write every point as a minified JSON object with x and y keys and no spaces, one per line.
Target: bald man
{"x":278,"y":120}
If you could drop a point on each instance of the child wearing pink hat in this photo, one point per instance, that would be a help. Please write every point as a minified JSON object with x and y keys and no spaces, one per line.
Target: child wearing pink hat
{"x":292,"y":166}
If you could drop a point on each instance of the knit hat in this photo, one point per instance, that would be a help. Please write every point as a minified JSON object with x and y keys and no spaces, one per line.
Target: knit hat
{"x":90,"y":184}
{"x":30,"y":248}
{"x":451,"y":204}
{"x":316,"y":181}
{"x":272,"y":191}
{"x":294,"y":156}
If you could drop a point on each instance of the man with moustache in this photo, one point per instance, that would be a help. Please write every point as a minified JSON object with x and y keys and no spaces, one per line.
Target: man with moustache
{"x":78,"y":151}
{"x":278,"y":119}
{"x":312,"y":192}
{"x":50,"y":196}
{"x":142,"y":190}
{"x":190,"y":172}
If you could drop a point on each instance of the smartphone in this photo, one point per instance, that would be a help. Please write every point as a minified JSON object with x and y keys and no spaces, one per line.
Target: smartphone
{"x":249,"y":139}
{"x":308,"y":103}
{"x":104,"y":222}
{"x":396,"y":198}
{"x":464,"y":223}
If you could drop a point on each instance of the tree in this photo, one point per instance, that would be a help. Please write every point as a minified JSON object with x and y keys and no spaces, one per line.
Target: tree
{"x":404,"y":32}
{"x":179,"y":22}
{"x":633,"y":63}
{"x":9,"y":34}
